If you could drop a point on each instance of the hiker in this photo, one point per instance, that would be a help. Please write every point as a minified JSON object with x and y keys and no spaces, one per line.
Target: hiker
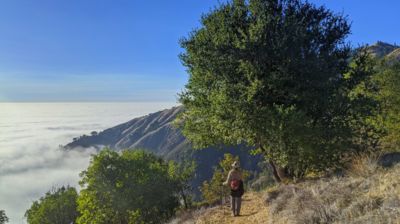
{"x":235,"y":182}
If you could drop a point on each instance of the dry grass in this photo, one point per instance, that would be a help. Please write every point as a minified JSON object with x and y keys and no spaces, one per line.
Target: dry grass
{"x":369,"y":194}
{"x":364,"y":165}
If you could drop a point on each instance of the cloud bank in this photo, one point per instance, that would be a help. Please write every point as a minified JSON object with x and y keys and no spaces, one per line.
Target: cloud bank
{"x":31,"y":162}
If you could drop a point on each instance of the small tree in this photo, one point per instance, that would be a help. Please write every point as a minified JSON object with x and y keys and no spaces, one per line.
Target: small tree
{"x":3,"y":217}
{"x":57,"y":206}
{"x":212,"y":190}
{"x":363,"y":105}
{"x":182,"y":174}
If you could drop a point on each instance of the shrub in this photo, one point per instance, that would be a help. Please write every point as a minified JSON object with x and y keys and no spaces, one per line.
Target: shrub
{"x":131,"y":187}
{"x":57,"y":206}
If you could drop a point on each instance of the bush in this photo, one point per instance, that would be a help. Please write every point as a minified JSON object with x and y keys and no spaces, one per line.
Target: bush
{"x":57,"y":206}
{"x":131,"y":187}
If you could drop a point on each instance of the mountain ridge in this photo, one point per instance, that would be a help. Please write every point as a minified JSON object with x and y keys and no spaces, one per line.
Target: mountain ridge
{"x":156,"y":133}
{"x":385,"y":50}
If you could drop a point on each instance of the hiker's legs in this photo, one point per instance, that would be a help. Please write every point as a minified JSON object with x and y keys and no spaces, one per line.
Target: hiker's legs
{"x":238,"y":205}
{"x":233,"y":205}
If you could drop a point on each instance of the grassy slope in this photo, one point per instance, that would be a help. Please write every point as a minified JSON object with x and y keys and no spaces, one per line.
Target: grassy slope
{"x":367,"y":194}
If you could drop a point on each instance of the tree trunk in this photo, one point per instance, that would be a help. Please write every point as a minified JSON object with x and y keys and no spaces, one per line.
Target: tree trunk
{"x":185,"y":203}
{"x":278,"y":172}
{"x":275,"y":171}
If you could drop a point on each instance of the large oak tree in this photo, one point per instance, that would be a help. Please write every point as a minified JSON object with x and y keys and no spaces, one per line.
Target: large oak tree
{"x":270,"y":74}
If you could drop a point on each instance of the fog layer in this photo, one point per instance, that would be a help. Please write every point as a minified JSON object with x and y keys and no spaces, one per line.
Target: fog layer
{"x":31,"y":162}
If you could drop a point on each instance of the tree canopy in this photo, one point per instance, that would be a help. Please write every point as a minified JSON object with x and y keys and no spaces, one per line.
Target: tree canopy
{"x":270,"y":74}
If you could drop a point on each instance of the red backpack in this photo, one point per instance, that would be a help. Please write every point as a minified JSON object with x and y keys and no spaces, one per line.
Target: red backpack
{"x":235,"y":184}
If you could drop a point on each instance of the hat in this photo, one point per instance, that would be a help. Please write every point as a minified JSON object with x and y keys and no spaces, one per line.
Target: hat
{"x":236,"y":164}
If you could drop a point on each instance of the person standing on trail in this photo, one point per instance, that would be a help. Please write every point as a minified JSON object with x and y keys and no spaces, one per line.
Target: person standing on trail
{"x":235,"y":182}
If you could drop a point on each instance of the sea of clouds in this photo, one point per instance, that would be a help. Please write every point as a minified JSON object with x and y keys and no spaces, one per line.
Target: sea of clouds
{"x":31,"y":162}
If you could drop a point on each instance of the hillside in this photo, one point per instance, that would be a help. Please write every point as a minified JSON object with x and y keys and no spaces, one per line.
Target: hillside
{"x":367,"y":193}
{"x":156,"y":133}
{"x":381,"y":49}
{"x":384,"y":50}
{"x":153,"y":132}
{"x":394,"y":55}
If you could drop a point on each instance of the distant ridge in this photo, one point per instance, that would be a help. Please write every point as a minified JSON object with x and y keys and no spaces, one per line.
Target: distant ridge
{"x":153,"y":132}
{"x":384,"y":50}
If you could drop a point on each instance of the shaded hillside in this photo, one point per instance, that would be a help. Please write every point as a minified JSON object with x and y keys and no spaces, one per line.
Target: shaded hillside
{"x":155,"y":133}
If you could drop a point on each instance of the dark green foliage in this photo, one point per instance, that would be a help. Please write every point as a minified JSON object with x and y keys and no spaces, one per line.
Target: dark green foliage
{"x":389,"y":96}
{"x":3,"y":217}
{"x":57,"y":206}
{"x":131,"y":187}
{"x":270,"y":73}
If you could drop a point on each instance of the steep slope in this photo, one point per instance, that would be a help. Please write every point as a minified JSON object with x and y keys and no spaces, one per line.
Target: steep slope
{"x":156,"y":133}
{"x":150,"y":132}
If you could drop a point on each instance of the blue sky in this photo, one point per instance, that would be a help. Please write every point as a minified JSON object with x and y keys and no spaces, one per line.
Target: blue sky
{"x":125,"y":50}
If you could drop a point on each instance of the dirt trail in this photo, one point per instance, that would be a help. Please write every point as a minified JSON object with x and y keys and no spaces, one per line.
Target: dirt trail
{"x":253,"y":211}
